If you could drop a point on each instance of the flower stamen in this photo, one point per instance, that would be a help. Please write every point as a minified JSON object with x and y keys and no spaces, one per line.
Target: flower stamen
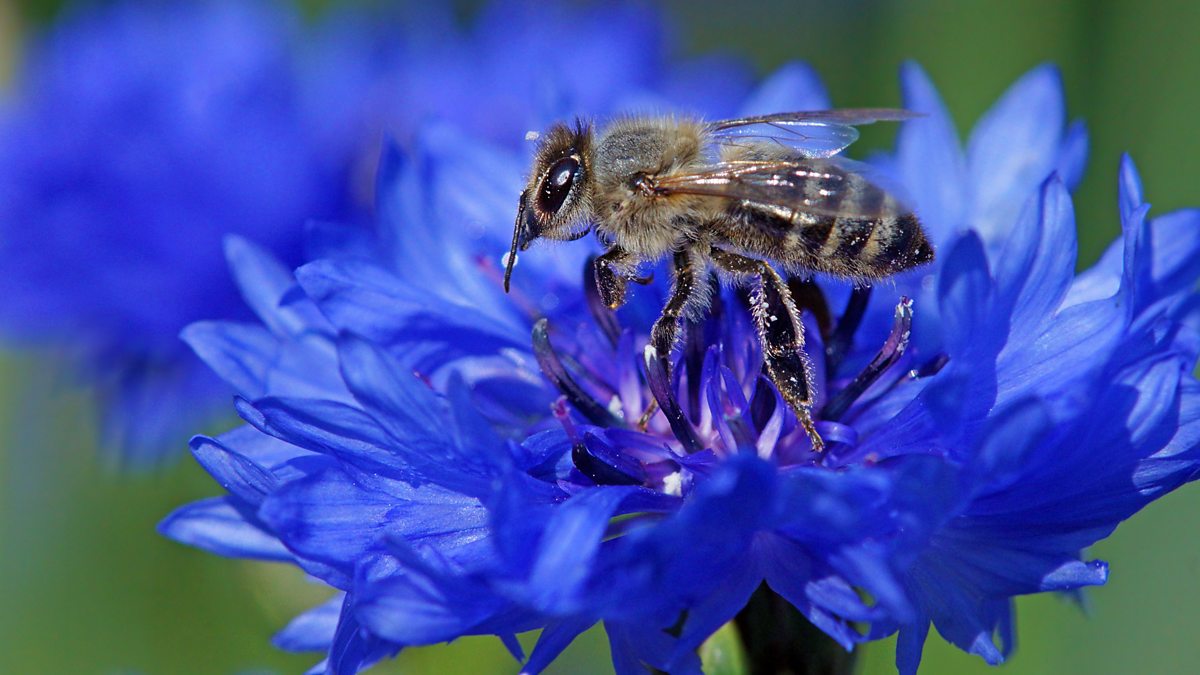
{"x":605,"y":465}
{"x":563,"y":415}
{"x":552,"y":367}
{"x":893,"y":348}
{"x":660,"y":387}
{"x":843,"y":334}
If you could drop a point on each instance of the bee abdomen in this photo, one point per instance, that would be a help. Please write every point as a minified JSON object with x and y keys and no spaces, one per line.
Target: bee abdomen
{"x":874,"y":247}
{"x":898,"y":244}
{"x":857,"y":246}
{"x":872,"y":236}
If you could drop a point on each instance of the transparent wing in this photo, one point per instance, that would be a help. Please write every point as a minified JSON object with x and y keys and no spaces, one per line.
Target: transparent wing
{"x":847,"y":116}
{"x":814,"y":134}
{"x":807,"y":139}
{"x":823,"y":187}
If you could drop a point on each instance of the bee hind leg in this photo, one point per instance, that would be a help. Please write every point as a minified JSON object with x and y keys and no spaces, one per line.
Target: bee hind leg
{"x":780,"y":333}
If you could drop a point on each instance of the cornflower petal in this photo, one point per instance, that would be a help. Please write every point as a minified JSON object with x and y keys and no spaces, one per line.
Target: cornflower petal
{"x":1013,"y":147}
{"x":217,"y":526}
{"x":313,"y":630}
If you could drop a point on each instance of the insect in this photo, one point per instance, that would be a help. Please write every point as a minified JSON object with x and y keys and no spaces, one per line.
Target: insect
{"x":740,"y":197}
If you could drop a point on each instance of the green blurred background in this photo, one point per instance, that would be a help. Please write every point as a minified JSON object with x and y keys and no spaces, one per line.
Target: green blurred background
{"x":87,"y":587}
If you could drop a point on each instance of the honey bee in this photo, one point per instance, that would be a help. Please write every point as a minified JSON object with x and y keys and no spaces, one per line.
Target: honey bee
{"x":739,"y":197}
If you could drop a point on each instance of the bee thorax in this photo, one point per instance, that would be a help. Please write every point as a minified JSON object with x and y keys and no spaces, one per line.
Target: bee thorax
{"x":627,"y":205}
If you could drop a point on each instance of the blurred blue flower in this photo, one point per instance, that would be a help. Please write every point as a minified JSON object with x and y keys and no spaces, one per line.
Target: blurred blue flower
{"x":137,"y":136}
{"x":988,"y":417}
{"x":134,"y":137}
{"x":521,"y":65}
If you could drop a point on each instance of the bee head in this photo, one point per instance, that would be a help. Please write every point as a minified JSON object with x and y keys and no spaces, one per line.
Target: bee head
{"x":555,"y":201}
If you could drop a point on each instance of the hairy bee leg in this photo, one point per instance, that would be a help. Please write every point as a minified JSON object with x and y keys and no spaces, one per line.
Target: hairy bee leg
{"x":686,"y":294}
{"x":781,"y":335}
{"x":612,"y":276}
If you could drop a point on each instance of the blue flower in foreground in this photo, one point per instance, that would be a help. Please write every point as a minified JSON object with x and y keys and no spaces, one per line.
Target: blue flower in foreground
{"x":988,"y":417}
{"x":137,"y":137}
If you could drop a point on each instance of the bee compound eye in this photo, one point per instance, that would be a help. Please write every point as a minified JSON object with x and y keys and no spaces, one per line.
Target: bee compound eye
{"x":557,"y":184}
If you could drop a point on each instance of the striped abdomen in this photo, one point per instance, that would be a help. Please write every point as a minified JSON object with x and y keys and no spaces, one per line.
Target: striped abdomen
{"x":834,"y":221}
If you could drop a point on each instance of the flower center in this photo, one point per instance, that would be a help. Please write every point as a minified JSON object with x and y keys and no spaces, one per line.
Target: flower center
{"x":654,"y":426}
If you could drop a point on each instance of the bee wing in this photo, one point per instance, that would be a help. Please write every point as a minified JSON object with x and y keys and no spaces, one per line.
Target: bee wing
{"x":823,"y":187}
{"x":815,"y":134}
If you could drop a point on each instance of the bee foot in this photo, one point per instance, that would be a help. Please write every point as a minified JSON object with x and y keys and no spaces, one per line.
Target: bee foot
{"x":814,"y":437}
{"x":644,"y":421}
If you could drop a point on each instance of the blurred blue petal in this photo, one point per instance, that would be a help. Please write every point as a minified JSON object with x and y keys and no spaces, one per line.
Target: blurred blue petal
{"x":930,"y":159}
{"x":1013,"y":147}
{"x":216,"y":526}
{"x":241,"y":476}
{"x":240,"y":353}
{"x":795,"y":86}
{"x":313,"y":630}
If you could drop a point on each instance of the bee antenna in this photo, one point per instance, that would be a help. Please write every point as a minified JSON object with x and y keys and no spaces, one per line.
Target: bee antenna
{"x":516,"y":240}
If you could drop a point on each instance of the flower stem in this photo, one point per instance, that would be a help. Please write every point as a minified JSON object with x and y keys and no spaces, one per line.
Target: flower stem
{"x":778,"y":640}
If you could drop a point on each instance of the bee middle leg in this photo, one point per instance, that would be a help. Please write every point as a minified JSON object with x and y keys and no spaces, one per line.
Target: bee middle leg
{"x":780,"y":333}
{"x":687,"y":296}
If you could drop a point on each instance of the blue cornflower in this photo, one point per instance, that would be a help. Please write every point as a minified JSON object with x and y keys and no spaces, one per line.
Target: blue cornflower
{"x":987,"y":417}
{"x":137,"y":136}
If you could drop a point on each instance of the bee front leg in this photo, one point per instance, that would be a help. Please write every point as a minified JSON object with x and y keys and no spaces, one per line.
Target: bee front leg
{"x":613,"y":275}
{"x":781,"y":335}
